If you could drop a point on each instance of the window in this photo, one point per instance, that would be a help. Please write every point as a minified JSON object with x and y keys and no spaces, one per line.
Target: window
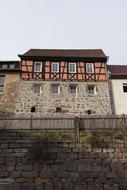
{"x":55,"y":67}
{"x":91,"y":89}
{"x":1,"y":83}
{"x":4,"y":66}
{"x":89,"y":68}
{"x":58,"y":109}
{"x":32,"y":110}
{"x":89,"y":112}
{"x":72,"y":67}
{"x":72,"y":89}
{"x":125,"y":87}
{"x":36,"y":88}
{"x":12,"y":66}
{"x":37,"y":66}
{"x":55,"y":89}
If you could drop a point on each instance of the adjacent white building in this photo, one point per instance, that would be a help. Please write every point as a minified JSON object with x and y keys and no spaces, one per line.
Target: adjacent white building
{"x":118,"y":85}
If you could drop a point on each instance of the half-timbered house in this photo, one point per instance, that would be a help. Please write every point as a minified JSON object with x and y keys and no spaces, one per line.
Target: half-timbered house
{"x":63,"y":81}
{"x":64,"y":65}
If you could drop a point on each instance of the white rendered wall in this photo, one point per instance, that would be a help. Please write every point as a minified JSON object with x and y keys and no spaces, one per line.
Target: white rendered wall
{"x":119,"y":97}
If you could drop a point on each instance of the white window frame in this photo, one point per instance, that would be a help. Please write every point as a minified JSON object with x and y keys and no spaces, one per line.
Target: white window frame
{"x":87,"y":68}
{"x":4,"y":66}
{"x":70,"y":89}
{"x":35,"y":63}
{"x":34,"y":91}
{"x":58,"y":89}
{"x":52,"y":64}
{"x":94,"y":90}
{"x":70,"y":67}
{"x":11,"y":66}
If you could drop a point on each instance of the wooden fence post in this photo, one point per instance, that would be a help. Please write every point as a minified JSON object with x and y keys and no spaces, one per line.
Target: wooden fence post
{"x":124,"y":119}
{"x":77,"y":129}
{"x":31,"y":121}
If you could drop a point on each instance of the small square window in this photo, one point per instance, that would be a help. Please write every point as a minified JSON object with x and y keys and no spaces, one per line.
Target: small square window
{"x":72,"y":89}
{"x":72,"y":67}
{"x":2,"y":83}
{"x":55,"y":89}
{"x":58,"y":109}
{"x":36,"y":88}
{"x":4,"y":66}
{"x":37,"y":66}
{"x":11,"y":66}
{"x":89,"y":68}
{"x":55,"y":67}
{"x":91,"y":89}
{"x":125,"y":87}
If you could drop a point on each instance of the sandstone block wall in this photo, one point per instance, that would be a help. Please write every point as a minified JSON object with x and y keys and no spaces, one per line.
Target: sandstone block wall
{"x":71,"y":104}
{"x":62,"y":165}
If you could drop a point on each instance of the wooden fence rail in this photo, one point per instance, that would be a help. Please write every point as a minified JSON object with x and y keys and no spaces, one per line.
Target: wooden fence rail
{"x":65,"y":123}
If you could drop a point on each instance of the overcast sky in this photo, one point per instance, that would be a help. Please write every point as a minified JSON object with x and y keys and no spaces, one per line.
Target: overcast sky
{"x":64,"y":24}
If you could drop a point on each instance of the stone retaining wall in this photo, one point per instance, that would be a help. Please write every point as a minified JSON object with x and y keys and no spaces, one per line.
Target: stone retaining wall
{"x":29,"y":164}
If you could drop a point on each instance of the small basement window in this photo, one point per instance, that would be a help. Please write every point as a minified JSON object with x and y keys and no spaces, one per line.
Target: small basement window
{"x":32,"y":109}
{"x":58,"y":109}
{"x":91,"y":89}
{"x":125,"y":87}
{"x":89,"y":112}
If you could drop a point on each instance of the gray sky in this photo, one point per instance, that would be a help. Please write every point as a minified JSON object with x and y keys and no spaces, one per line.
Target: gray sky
{"x":64,"y":24}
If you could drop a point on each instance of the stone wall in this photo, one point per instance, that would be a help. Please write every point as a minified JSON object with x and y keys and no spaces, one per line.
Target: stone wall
{"x":9,"y":95}
{"x":29,"y":164}
{"x":71,"y":104}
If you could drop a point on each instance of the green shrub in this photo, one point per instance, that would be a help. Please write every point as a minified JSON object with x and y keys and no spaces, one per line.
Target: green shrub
{"x":119,"y":134}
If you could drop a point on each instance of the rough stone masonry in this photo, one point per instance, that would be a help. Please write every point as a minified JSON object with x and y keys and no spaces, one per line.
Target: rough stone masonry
{"x":69,"y":104}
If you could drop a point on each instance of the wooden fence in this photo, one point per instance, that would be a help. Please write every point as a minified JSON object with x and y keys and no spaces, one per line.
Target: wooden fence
{"x":65,"y":123}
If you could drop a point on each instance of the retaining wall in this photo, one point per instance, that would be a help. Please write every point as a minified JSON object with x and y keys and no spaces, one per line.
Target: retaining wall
{"x":26,"y":163}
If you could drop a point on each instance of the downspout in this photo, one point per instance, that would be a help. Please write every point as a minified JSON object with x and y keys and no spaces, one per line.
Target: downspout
{"x":108,"y":75}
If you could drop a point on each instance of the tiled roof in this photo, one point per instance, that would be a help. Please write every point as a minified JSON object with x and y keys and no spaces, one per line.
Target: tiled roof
{"x":117,"y":69}
{"x":9,"y":62}
{"x":77,"y":53}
